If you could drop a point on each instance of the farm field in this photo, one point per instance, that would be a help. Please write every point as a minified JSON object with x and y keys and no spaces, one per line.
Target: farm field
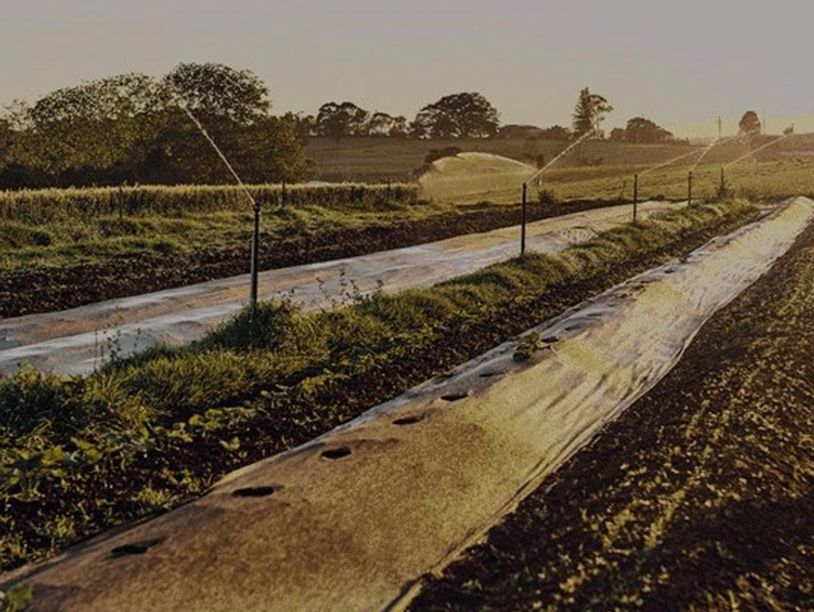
{"x":361,"y":453}
{"x":146,"y":239}
{"x":148,"y":433}
{"x":699,"y":496}
{"x":79,"y":340}
{"x":477,"y":178}
{"x":379,"y":159}
{"x":46,"y":257}
{"x":369,"y":159}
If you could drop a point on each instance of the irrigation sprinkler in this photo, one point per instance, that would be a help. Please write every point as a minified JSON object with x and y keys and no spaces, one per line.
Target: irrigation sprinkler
{"x":255,"y":261}
{"x":635,"y":196}
{"x":689,"y":189}
{"x":523,"y":221}
{"x":255,"y":248}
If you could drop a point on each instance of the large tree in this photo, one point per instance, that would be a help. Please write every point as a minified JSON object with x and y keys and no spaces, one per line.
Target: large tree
{"x":131,"y":128}
{"x":750,"y":123}
{"x":340,"y":120}
{"x":462,"y":115}
{"x":589,"y":112}
{"x":215,"y":90}
{"x":384,"y":124}
{"x":644,"y":131}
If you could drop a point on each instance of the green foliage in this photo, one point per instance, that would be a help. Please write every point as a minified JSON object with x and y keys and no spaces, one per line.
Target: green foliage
{"x":17,"y":598}
{"x":463,"y":115}
{"x":589,"y":112}
{"x":131,"y":128}
{"x":547,"y":197}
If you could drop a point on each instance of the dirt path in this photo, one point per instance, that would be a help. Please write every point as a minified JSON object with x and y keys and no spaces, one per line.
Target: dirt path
{"x":73,"y":341}
{"x":700,"y":496}
{"x":345,"y":520}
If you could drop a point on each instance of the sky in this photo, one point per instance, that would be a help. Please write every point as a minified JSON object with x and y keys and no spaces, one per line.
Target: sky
{"x":680,"y":63}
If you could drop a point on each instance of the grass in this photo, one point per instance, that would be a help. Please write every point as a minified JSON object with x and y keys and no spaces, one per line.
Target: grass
{"x":64,"y":227}
{"x":767,"y":180}
{"x":81,"y":454}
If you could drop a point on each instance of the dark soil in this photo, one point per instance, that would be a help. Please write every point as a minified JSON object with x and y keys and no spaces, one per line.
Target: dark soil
{"x":293,"y":415}
{"x":57,"y":288}
{"x":701,"y":495}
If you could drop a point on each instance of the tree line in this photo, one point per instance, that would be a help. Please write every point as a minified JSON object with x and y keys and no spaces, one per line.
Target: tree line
{"x":132,"y":128}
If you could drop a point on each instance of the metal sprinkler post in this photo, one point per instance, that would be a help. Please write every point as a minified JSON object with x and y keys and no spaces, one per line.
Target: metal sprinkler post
{"x":523,"y":222}
{"x":255,"y":263}
{"x":689,"y":189}
{"x":635,"y":196}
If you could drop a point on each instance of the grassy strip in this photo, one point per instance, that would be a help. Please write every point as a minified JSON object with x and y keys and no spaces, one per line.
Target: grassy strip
{"x":83,"y":454}
{"x":48,"y":205}
{"x":698,"y":497}
{"x":763,"y":180}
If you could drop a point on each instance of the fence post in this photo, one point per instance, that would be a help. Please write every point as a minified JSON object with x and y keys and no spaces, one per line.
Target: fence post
{"x":255,"y":263}
{"x":689,"y":189}
{"x":635,"y":196}
{"x":723,"y":181}
{"x":282,"y":192}
{"x":523,"y":222}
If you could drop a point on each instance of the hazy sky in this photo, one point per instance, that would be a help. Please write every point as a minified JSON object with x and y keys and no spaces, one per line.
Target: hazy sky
{"x":680,"y":63}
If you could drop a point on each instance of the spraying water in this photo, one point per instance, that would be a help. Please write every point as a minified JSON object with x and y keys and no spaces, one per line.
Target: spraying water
{"x":760,"y":148}
{"x":255,"y":244}
{"x":214,"y":145}
{"x":712,"y":145}
{"x":562,"y":154}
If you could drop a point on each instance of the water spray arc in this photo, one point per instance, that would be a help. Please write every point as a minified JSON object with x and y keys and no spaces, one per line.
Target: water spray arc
{"x":760,"y":148}
{"x":537,"y":176}
{"x":255,"y":244}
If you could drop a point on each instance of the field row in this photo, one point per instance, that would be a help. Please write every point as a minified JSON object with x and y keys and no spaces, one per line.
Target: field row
{"x":698,"y":497}
{"x":146,"y":433}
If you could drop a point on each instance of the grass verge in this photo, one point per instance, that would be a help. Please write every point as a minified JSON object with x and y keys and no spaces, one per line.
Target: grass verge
{"x":83,"y":454}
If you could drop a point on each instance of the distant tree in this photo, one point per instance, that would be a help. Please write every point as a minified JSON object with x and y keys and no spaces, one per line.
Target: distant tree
{"x":644,"y":131}
{"x":340,"y":120}
{"x":617,"y":134}
{"x":305,"y":125}
{"x":384,"y":124}
{"x":789,"y":130}
{"x":218,"y":91}
{"x":463,"y":115}
{"x":750,"y":124}
{"x":555,"y":132}
{"x":589,"y":112}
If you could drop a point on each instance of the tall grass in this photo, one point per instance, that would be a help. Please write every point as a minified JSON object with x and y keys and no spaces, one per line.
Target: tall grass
{"x":47,"y":205}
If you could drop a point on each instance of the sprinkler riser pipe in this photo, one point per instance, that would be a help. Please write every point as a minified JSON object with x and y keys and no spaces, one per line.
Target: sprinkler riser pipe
{"x":255,"y":263}
{"x":523,"y":221}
